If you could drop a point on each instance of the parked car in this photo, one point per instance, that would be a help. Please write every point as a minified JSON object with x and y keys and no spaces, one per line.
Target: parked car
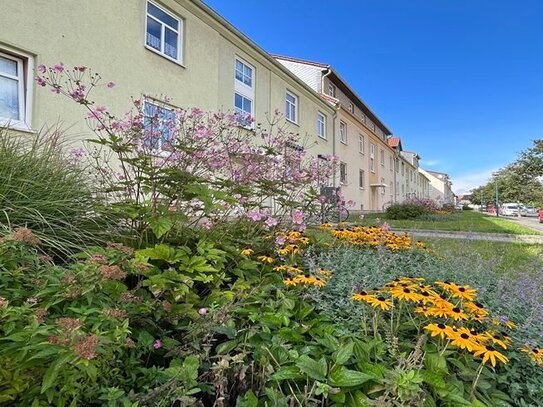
{"x":541,"y":216}
{"x":512,"y":209}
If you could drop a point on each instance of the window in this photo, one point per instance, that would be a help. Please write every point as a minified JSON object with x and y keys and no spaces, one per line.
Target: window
{"x":291,"y":107}
{"x":382,"y":158}
{"x":403,"y":189}
{"x":331,"y":90}
{"x":159,"y":125}
{"x":361,"y":144}
{"x":351,"y":107}
{"x":363,"y":118}
{"x":321,"y":125}
{"x":391,"y":163}
{"x":361,"y":179}
{"x":343,"y":173}
{"x":163,"y":32}
{"x":372,"y":125}
{"x":403,"y":169}
{"x":343,"y":132}
{"x":372,"y":157}
{"x":244,"y":92}
{"x":382,"y":188}
{"x":11,"y":90}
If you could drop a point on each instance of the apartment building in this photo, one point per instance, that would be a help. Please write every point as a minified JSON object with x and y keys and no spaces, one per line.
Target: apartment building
{"x":366,"y":173}
{"x":440,"y":187}
{"x":410,"y":182}
{"x":178,"y":48}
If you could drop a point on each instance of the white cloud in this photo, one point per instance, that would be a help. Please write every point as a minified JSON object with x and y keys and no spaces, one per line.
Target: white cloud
{"x":462,"y":184}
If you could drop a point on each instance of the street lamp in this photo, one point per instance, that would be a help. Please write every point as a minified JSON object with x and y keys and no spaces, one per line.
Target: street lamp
{"x":497,"y":203}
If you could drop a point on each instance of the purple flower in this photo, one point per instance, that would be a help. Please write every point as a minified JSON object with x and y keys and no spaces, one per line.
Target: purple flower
{"x":202,"y":311}
{"x":41,"y":81}
{"x":58,"y":68}
{"x":270,"y":222}
{"x":110,"y":85}
{"x":157,"y":344}
{"x":41,"y":68}
{"x":298,"y":217}
{"x":255,"y":216}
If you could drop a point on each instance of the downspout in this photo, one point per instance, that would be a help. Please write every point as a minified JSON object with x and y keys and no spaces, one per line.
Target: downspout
{"x":334,"y":117}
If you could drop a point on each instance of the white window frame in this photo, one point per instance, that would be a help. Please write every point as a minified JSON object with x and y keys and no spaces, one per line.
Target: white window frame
{"x":391,"y":163}
{"x":351,"y":107}
{"x":343,"y":132}
{"x":361,"y":144}
{"x":372,"y":157}
{"x":179,"y":33}
{"x":159,"y":105}
{"x":331,"y":90}
{"x":289,"y":105}
{"x":321,"y":125}
{"x":382,"y":157}
{"x":383,"y":188}
{"x":343,"y":173}
{"x":361,"y":179}
{"x":25,"y":65}
{"x":244,"y":90}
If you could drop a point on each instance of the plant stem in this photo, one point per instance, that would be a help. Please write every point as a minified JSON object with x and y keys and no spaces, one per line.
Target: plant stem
{"x":479,"y":370}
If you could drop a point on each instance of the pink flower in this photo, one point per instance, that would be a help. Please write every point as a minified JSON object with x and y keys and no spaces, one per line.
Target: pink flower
{"x":41,"y":81}
{"x":385,"y":227}
{"x":207,"y":224}
{"x":271,"y":222}
{"x":41,"y":68}
{"x":255,"y":216}
{"x":202,"y":311}
{"x":157,"y":344}
{"x":298,"y":217}
{"x":110,"y":85}
{"x":322,"y":199}
{"x":280,"y":240}
{"x":58,"y":68}
{"x":80,"y":68}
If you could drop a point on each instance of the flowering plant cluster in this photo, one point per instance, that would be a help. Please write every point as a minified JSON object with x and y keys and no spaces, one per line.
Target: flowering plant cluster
{"x":165,"y":166}
{"x":373,"y":236}
{"x":429,"y":204}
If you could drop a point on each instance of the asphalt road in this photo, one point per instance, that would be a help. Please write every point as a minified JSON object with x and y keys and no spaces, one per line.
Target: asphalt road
{"x":531,"y":221}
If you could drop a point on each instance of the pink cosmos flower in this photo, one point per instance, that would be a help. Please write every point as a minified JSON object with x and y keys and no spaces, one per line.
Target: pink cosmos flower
{"x":58,"y":68}
{"x":41,"y":81}
{"x":41,"y":68}
{"x":110,"y":85}
{"x":298,"y":217}
{"x":280,"y":240}
{"x":207,"y":224}
{"x":157,"y":344}
{"x":202,"y":311}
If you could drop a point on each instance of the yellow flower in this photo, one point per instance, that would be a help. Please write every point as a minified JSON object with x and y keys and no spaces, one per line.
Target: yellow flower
{"x":535,"y":354}
{"x":439,"y":329}
{"x":464,"y":340}
{"x":477,"y":310}
{"x":489,"y":353}
{"x":325,"y":226}
{"x":424,"y":311}
{"x":457,"y":314}
{"x":360,"y":296}
{"x":503,"y":341}
{"x":404,"y":293}
{"x":379,"y":302}
{"x":247,"y":252}
{"x":289,"y":282}
{"x":464,"y":292}
{"x":265,"y":259}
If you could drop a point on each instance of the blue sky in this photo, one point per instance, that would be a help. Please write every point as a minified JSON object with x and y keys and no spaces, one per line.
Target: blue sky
{"x":460,"y":81}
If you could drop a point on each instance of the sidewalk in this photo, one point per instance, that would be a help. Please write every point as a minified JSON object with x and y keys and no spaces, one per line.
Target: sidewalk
{"x":496,"y":237}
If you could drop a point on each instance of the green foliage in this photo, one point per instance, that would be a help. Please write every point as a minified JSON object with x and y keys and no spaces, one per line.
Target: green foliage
{"x":42,"y":190}
{"x":406,"y":210}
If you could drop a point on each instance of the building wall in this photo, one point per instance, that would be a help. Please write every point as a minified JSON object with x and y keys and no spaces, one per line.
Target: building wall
{"x":108,"y":36}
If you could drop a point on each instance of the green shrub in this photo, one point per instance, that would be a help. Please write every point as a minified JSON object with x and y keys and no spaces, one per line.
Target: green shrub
{"x":43,"y":190}
{"x":405,"y":210}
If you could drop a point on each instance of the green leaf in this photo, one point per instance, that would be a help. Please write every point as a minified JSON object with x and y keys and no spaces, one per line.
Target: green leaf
{"x":344,"y":353}
{"x":342,"y":377}
{"x":225,"y":330}
{"x":52,"y":372}
{"x":286,"y":373}
{"x":160,"y":226}
{"x":312,"y":368}
{"x":226,"y":347}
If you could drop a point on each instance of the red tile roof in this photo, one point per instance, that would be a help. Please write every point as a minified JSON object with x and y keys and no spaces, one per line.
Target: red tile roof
{"x":394,"y":142}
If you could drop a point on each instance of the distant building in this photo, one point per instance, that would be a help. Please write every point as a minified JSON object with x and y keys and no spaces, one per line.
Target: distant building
{"x":440,"y":187}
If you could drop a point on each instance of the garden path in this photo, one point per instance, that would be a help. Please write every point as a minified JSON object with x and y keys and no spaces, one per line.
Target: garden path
{"x":497,"y":237}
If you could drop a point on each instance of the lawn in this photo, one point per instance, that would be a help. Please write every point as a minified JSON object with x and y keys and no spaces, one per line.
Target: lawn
{"x":503,"y":257}
{"x":467,"y":221}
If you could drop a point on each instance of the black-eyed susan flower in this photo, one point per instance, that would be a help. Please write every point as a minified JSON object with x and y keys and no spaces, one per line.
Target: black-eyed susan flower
{"x":247,"y":252}
{"x":441,"y":330}
{"x":477,"y":310}
{"x":360,"y":295}
{"x":405,"y":293}
{"x":457,"y":314}
{"x":379,"y":302}
{"x":265,"y":259}
{"x":423,"y":311}
{"x":489,"y":353}
{"x":464,"y":292}
{"x":304,"y":279}
{"x":498,"y":339}
{"x":289,"y":282}
{"x":464,"y":340}
{"x":535,"y":353}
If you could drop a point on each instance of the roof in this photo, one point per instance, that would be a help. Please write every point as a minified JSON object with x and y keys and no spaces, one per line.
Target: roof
{"x":344,"y":86}
{"x":395,"y":142}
